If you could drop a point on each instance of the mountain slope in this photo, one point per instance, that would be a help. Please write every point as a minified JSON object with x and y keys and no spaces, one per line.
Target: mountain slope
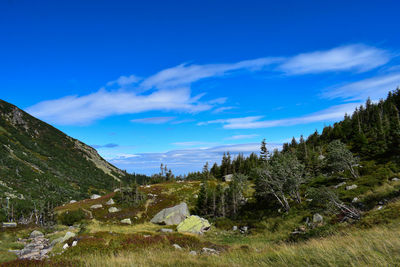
{"x":40,"y":164}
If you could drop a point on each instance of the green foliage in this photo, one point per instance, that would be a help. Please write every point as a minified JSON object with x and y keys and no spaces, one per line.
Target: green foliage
{"x":130,"y":196}
{"x":339,"y":158}
{"x":71,"y":217}
{"x":281,"y":176}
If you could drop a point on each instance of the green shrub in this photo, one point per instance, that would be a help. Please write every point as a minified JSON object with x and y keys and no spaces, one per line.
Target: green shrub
{"x":224,"y":223}
{"x":71,"y":217}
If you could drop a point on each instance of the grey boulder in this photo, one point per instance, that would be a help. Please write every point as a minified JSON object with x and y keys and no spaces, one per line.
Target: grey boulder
{"x":172,"y":216}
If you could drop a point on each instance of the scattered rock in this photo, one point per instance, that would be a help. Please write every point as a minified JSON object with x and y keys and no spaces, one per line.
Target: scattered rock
{"x":355,"y":200}
{"x":110,"y":202}
{"x":117,"y":190}
{"x":166,"y":230}
{"x":96,"y":206}
{"x":37,"y":249}
{"x":172,"y":216}
{"x":72,"y":201}
{"x":176,"y":246}
{"x":351,"y":187}
{"x":126,"y":221}
{"x":244,"y":229}
{"x":395,"y":179}
{"x":317,"y":218}
{"x":339,"y":185}
{"x":94,"y":196}
{"x":65,"y":246}
{"x":234,"y":228}
{"x":35,"y":234}
{"x":113,"y":209}
{"x":193,"y":253}
{"x":74,"y":243}
{"x":209,"y":251}
{"x":194,"y":224}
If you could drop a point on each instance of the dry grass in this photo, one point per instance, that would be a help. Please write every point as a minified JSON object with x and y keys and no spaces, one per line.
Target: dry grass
{"x":372,"y":247}
{"x":96,"y":226}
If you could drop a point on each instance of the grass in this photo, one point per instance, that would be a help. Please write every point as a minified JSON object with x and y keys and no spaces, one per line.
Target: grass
{"x":378,"y":246}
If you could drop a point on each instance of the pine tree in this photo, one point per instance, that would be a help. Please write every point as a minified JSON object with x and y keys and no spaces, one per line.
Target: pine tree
{"x":202,"y":200}
{"x":264,"y":151}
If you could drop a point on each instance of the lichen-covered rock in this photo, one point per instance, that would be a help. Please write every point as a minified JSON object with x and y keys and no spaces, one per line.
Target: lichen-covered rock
{"x":126,"y":221}
{"x":68,"y":235}
{"x":172,"y":216}
{"x":194,"y":224}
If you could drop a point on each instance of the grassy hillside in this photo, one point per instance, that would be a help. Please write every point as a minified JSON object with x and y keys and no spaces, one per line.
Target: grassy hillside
{"x":104,"y":241}
{"x":41,"y":166}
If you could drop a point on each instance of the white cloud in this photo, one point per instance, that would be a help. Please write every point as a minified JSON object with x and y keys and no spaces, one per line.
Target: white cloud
{"x":255,"y":122}
{"x":185,"y":74}
{"x":170,"y":89}
{"x":154,"y":120}
{"x":355,"y":57}
{"x":184,"y":160}
{"x":222,"y":109}
{"x":86,"y":109}
{"x":190,"y":143}
{"x":242,"y":136}
{"x":124,"y":80}
{"x":376,"y":88}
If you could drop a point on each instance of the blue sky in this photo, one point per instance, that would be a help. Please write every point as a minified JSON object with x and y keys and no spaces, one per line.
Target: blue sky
{"x":180,"y":82}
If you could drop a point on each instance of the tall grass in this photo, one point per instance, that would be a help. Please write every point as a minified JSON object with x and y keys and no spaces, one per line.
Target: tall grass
{"x":372,"y":247}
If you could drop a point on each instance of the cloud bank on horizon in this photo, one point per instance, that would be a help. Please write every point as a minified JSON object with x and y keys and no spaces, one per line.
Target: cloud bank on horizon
{"x":183,"y":159}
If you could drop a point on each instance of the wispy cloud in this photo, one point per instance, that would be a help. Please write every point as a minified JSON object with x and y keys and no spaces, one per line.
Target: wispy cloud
{"x":184,"y":160}
{"x":222,"y":109}
{"x":124,"y":80}
{"x":357,"y":57}
{"x":376,"y":88}
{"x":86,"y":109}
{"x":186,"y":74}
{"x":255,"y":122}
{"x":154,"y":120}
{"x":242,"y":136}
{"x":170,"y":89}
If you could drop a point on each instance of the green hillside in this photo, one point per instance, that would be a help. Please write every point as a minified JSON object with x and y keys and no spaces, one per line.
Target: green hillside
{"x":42,"y":167}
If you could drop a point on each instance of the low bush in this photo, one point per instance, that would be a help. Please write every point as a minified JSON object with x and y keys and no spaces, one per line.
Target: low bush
{"x":71,"y":217}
